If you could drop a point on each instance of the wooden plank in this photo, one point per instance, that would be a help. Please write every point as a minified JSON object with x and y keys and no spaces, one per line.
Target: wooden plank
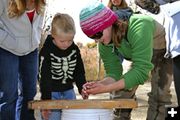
{"x":83,"y":104}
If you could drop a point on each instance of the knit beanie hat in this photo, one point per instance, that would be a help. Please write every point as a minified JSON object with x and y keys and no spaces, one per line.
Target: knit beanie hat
{"x":95,"y":18}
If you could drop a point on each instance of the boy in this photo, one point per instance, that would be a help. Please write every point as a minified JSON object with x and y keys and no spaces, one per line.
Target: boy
{"x":60,"y":64}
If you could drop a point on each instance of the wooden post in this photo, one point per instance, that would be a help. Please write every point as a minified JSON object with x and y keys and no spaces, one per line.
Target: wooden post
{"x":83,"y":104}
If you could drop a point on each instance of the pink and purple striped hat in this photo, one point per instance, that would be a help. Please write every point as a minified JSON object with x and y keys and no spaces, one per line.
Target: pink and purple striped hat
{"x":95,"y":18}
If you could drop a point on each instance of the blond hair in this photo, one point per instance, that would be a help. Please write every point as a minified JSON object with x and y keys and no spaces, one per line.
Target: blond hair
{"x":17,"y":7}
{"x":62,"y":23}
{"x":122,"y":5}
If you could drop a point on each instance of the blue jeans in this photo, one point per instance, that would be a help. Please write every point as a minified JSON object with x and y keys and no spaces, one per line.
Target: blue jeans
{"x":19,"y":100}
{"x":176,"y":74}
{"x":69,"y":94}
{"x":13,"y":69}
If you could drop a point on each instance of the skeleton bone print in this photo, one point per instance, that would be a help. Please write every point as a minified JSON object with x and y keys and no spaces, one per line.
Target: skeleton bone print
{"x":63,"y":67}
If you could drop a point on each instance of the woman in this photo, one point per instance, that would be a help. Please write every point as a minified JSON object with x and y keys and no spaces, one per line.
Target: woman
{"x":117,"y":4}
{"x":118,"y":38}
{"x":20,"y":32}
{"x":131,"y":38}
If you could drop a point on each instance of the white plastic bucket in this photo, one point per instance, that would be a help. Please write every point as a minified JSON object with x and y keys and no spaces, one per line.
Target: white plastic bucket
{"x":87,"y":114}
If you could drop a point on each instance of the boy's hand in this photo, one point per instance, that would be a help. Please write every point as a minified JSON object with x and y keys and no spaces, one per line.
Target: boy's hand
{"x":84,"y":94}
{"x":86,"y":86}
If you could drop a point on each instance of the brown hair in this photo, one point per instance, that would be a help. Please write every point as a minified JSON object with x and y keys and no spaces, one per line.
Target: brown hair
{"x":122,"y":5}
{"x":17,"y":7}
{"x":62,"y":23}
{"x":119,"y":30}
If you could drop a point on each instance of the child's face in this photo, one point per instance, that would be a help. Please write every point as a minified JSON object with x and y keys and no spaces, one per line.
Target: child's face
{"x":116,"y":2}
{"x":106,"y":37}
{"x":64,"y":40}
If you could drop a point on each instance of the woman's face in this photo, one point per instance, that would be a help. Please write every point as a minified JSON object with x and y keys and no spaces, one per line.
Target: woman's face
{"x":116,"y":2}
{"x":106,"y":37}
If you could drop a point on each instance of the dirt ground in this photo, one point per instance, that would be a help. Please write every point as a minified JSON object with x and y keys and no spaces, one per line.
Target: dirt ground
{"x":138,"y":113}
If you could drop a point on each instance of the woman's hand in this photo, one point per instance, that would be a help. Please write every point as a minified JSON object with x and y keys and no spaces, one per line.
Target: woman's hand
{"x":86,"y":86}
{"x":108,"y":84}
{"x":93,"y":88}
{"x":96,"y":88}
{"x":84,"y":94}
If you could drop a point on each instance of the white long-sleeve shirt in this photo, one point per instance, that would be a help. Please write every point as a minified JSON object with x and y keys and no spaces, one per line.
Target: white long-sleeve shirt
{"x":172,"y":27}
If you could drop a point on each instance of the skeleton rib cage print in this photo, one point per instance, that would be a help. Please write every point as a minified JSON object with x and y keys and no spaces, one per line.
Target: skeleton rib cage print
{"x":62,"y":68}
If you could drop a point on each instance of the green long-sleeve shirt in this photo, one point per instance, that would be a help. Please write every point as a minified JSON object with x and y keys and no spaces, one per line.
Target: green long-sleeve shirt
{"x":138,"y":47}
